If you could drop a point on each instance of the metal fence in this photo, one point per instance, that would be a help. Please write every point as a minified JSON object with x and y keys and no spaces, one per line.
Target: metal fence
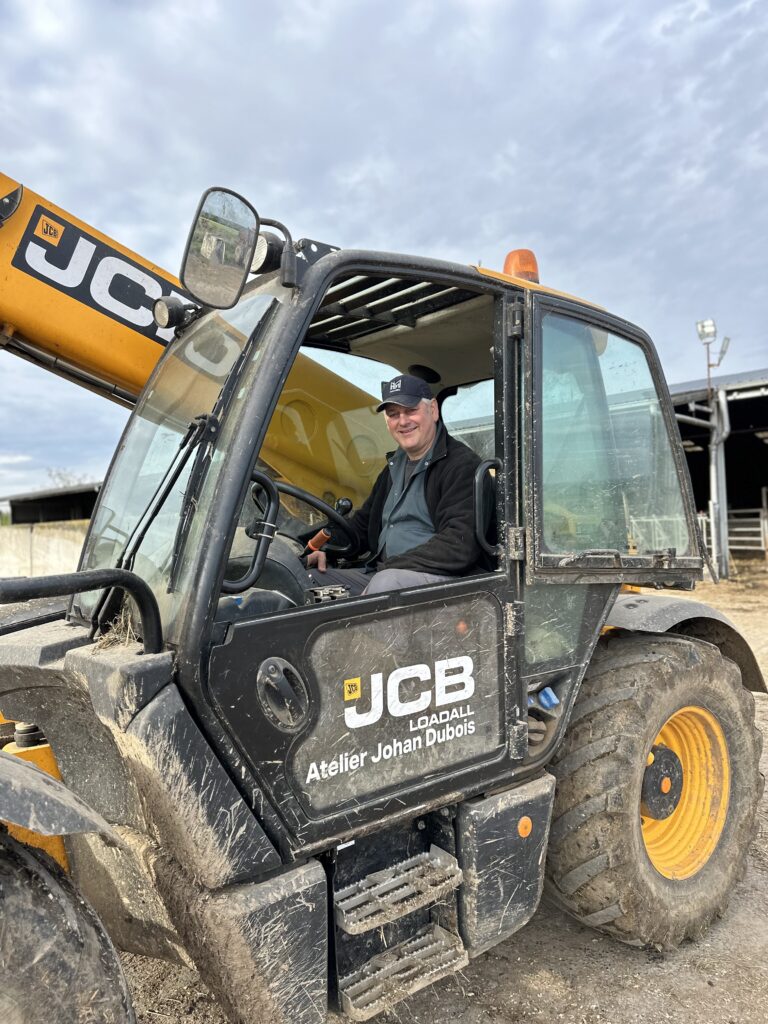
{"x":747,"y":530}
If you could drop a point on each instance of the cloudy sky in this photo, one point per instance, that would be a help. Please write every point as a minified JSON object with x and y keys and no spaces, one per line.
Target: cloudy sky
{"x":627,"y":144}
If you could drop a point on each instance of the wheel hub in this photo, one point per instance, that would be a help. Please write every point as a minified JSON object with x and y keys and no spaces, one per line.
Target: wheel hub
{"x":682,"y":841}
{"x":662,"y":783}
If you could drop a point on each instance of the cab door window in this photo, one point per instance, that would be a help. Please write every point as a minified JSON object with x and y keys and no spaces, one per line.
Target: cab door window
{"x":608,"y":478}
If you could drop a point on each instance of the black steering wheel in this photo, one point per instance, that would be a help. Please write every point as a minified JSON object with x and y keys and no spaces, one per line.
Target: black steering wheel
{"x":265,"y":529}
{"x":325,"y":509}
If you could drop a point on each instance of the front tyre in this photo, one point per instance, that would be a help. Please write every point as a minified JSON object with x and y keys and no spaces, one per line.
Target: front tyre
{"x":657,"y":790}
{"x":57,"y":965}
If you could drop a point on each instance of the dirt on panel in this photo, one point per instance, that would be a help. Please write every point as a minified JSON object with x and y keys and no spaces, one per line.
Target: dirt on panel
{"x":554,"y":969}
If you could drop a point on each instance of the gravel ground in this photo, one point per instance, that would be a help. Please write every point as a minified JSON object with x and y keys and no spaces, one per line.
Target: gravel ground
{"x":555,"y":970}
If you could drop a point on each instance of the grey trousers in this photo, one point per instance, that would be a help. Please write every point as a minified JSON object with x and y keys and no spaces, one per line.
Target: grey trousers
{"x":357,"y":581}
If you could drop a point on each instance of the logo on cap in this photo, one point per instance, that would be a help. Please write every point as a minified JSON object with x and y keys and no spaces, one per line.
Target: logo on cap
{"x":404,"y":390}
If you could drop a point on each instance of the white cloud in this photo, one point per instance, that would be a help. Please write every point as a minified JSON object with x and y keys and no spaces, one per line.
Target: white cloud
{"x":625,"y":145}
{"x":47,"y":23}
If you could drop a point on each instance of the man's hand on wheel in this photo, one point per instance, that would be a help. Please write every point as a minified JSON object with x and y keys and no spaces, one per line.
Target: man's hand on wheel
{"x":317,"y":560}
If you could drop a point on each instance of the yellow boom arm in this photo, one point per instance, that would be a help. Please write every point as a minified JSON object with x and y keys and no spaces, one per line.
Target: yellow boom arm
{"x":80,"y":304}
{"x":75,"y":301}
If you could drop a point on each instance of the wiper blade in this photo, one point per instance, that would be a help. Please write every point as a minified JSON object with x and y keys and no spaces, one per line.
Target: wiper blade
{"x":201,"y":428}
{"x":196,"y":476}
{"x":602,"y":558}
{"x":185,"y":516}
{"x":612,"y":558}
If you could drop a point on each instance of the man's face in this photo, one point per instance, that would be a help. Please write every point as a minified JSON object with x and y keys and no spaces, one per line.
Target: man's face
{"x":413,"y":429}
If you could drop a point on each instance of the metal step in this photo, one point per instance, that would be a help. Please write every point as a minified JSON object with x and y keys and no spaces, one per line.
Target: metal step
{"x":387,"y":895}
{"x":390,"y":976}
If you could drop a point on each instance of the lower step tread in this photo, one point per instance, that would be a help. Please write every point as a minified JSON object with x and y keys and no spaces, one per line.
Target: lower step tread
{"x":431,"y":954}
{"x":388,"y":895}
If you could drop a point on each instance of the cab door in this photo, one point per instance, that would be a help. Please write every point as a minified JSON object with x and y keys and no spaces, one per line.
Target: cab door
{"x":608,"y":494}
{"x":351,"y":710}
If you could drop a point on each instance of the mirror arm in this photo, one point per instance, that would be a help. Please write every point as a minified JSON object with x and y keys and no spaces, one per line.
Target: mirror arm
{"x":288,"y":260}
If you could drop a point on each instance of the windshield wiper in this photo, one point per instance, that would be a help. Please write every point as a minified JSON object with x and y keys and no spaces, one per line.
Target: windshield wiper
{"x":201,"y":428}
{"x":197,"y":474}
{"x":598,"y":558}
{"x":191,"y":493}
{"x":611,"y":558}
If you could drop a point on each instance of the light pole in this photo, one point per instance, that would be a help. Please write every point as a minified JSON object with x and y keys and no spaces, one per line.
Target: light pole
{"x":707,"y":331}
{"x":720,"y":428}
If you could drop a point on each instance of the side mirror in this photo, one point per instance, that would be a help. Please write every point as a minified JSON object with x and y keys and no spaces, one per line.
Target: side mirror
{"x":220,"y":248}
{"x":9,"y":204}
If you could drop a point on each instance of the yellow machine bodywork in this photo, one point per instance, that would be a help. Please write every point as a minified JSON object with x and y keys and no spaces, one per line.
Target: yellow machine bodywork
{"x":79,"y":304}
{"x":42,"y":756}
{"x":75,"y":301}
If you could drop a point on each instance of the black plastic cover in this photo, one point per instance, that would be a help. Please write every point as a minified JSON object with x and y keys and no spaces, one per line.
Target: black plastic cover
{"x":502,"y":846}
{"x":32,"y":799}
{"x":195,"y":805}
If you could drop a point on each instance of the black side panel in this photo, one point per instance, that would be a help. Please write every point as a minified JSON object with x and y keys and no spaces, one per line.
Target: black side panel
{"x":502,"y":846}
{"x":121,"y":681}
{"x":262,"y":948}
{"x":195,"y":807}
{"x":389,"y":708}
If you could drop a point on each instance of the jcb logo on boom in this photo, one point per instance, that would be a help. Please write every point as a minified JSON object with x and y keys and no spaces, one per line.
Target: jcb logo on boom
{"x":93,"y":273}
{"x":453,"y":682}
{"x":49,"y":230}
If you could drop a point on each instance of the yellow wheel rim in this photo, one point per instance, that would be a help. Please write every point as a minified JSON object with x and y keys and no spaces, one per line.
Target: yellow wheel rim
{"x":681,"y":844}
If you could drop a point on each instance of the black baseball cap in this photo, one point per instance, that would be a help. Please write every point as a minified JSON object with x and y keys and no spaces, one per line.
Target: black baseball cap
{"x":404,"y":390}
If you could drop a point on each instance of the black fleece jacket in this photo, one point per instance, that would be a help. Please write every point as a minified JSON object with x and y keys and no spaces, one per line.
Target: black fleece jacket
{"x":448,"y":489}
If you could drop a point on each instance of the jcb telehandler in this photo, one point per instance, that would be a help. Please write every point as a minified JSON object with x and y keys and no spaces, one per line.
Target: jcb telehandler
{"x":323,"y":800}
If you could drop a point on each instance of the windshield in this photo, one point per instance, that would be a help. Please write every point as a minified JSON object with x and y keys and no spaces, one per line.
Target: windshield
{"x":196,"y":377}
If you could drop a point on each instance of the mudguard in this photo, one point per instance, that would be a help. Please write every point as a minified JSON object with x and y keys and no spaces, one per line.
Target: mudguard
{"x":660,"y":613}
{"x":33,"y":800}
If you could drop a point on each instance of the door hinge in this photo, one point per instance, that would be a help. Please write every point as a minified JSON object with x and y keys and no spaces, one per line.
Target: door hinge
{"x":513,"y":618}
{"x":515,"y":331}
{"x":516,"y":543}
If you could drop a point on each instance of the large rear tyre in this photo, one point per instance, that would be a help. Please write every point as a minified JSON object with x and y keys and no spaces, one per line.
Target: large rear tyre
{"x":57,"y":965}
{"x":657,"y":790}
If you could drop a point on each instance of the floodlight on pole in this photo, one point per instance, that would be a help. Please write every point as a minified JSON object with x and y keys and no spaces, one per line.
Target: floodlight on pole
{"x":707,"y":331}
{"x":719,"y":426}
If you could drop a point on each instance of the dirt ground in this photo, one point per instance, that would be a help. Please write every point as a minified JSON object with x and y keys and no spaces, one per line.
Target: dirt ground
{"x":555,"y":970}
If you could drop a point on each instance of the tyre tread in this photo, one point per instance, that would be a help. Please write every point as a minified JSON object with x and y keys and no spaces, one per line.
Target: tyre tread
{"x":594,"y":869}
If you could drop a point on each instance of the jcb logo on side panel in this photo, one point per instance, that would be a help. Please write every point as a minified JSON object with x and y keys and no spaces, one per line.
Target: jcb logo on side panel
{"x":453,"y":682}
{"x":92,"y":272}
{"x":353,"y":688}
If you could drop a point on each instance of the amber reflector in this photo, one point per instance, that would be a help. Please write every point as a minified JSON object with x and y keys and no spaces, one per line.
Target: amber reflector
{"x":524,"y":827}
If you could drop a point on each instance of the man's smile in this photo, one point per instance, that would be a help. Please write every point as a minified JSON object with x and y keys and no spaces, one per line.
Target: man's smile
{"x":414,"y":429}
